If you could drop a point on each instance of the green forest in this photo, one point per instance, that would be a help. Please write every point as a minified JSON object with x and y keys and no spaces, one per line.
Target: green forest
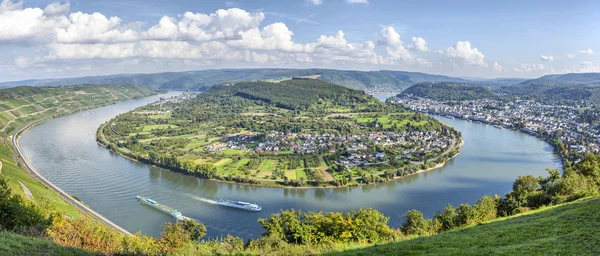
{"x":298,"y":132}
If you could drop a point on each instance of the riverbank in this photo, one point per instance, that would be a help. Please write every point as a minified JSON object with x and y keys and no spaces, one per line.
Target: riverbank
{"x":536,"y":135}
{"x":65,"y":196}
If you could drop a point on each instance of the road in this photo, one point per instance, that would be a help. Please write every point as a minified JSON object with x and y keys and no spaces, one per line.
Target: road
{"x":27,"y":192}
{"x":80,"y":206}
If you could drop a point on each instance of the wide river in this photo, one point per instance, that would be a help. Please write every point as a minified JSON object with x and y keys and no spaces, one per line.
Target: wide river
{"x":65,"y":152}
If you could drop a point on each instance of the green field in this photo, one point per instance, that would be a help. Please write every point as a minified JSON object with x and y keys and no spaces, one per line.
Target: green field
{"x":13,"y":244}
{"x":148,"y":128}
{"x":569,"y":229}
{"x":224,"y":161}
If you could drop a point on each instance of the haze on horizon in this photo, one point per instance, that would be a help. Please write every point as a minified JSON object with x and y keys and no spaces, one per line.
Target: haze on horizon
{"x":459,"y":38}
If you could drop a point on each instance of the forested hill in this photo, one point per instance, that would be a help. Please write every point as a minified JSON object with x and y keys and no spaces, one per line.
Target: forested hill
{"x":296,"y":94}
{"x":444,"y":91}
{"x":201,"y":80}
{"x":558,"y":89}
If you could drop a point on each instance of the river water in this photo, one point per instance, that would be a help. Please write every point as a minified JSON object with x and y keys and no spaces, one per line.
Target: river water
{"x":65,"y":152}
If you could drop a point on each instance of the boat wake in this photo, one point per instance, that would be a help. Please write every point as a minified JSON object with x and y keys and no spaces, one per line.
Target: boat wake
{"x":204,"y":199}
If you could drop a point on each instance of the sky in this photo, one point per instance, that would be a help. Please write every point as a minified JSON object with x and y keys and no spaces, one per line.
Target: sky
{"x":47,"y":39}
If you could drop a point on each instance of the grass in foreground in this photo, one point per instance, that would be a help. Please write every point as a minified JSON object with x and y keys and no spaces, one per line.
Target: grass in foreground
{"x":13,"y":244}
{"x":569,"y":229}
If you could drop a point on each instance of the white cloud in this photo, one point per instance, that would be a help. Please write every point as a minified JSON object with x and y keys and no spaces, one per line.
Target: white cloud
{"x":420,"y":44}
{"x":56,"y":9}
{"x":95,"y":28}
{"x":338,"y":48}
{"x":527,"y":67}
{"x":588,"y":51}
{"x":547,"y":58}
{"x":587,"y":67}
{"x":498,"y":67}
{"x":275,"y":36}
{"x":394,"y":46}
{"x":8,"y":5}
{"x":357,"y":1}
{"x":315,"y":2}
{"x":463,"y":53}
{"x":570,"y":56}
{"x":222,"y":24}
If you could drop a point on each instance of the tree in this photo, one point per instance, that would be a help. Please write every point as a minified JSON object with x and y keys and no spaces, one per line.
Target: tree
{"x":466,"y":215}
{"x":486,"y":208}
{"x":524,"y":186}
{"x":448,"y":218}
{"x":415,"y":223}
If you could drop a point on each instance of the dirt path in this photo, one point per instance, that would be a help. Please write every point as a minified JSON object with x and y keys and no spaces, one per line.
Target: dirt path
{"x":27,"y":192}
{"x":0,"y":167}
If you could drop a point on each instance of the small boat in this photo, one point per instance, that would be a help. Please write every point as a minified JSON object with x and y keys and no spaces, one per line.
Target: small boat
{"x":240,"y":205}
{"x":498,"y":126}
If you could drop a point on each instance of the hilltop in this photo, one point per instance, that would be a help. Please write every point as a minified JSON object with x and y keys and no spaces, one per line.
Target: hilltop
{"x":203,"y":79}
{"x":446,"y":91}
{"x":298,"y":132}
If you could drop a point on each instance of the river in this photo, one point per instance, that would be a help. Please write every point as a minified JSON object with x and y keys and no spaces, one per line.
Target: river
{"x":64,"y":151}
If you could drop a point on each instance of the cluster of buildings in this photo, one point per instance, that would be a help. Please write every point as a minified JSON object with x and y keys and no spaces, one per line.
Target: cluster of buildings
{"x":408,"y":143}
{"x":556,"y":122}
{"x":173,"y":99}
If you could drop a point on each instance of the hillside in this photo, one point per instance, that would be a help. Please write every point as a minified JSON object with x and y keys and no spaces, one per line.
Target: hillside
{"x":569,"y":229}
{"x":14,"y":244}
{"x":445,"y":91}
{"x":558,"y":89}
{"x":298,"y":132}
{"x":201,"y":80}
{"x":23,"y":104}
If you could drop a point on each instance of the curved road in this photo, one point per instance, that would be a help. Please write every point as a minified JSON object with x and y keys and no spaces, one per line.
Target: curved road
{"x":81,"y":207}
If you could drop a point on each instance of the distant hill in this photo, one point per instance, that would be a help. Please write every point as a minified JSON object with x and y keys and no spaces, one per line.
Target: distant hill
{"x":201,"y":80}
{"x":291,"y":94}
{"x":444,"y":91}
{"x":561,"y":89}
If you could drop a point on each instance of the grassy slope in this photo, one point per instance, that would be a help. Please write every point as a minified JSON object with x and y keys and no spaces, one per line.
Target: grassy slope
{"x":94,"y":96}
{"x":43,"y":196}
{"x":569,"y":229}
{"x":13,"y":244}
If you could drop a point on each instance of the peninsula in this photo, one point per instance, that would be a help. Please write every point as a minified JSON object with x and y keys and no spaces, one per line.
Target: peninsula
{"x":298,"y":132}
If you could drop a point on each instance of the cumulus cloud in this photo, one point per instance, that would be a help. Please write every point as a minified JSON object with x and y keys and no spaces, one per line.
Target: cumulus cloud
{"x":394,"y":46}
{"x":570,"y":56}
{"x":8,"y":5}
{"x":547,"y":58}
{"x":338,"y":47}
{"x":222,"y":24}
{"x":498,"y":67}
{"x":94,"y":28}
{"x":463,"y":53}
{"x":56,"y":9}
{"x":275,"y":36}
{"x":530,"y":67}
{"x":315,"y":2}
{"x":420,"y":44}
{"x":588,"y":66}
{"x":588,"y":51}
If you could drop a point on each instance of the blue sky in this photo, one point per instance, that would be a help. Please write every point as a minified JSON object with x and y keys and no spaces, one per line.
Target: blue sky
{"x":47,"y":39}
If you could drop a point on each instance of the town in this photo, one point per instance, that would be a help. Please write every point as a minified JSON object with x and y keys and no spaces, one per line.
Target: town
{"x":554,"y":123}
{"x":356,"y":149}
